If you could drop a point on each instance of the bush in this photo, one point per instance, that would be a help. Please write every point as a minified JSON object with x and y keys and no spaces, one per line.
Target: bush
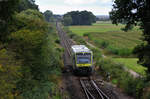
{"x":98,"y":43}
{"x":71,"y":35}
{"x":104,"y":44}
{"x":57,"y":41}
{"x":96,"y":54}
{"x":86,"y":34}
{"x":119,"y":51}
{"x":79,"y":39}
{"x":124,"y":52}
{"x":112,"y":50}
{"x":101,"y":44}
{"x":132,"y":86}
{"x":109,"y":67}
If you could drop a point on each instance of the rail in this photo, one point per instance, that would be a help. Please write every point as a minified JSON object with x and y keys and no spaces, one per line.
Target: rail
{"x":91,"y":90}
{"x":64,"y":39}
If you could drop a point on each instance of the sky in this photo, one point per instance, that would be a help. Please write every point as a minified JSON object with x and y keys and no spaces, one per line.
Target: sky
{"x":98,"y":7}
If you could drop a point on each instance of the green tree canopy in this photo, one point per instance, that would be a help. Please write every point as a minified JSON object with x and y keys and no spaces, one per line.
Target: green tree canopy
{"x":67,"y":20}
{"x":27,"y":4}
{"x":81,"y":18}
{"x":7,"y":10}
{"x":133,"y":12}
{"x":48,"y":14}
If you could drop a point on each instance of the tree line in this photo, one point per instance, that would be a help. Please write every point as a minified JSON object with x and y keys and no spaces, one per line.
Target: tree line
{"x":79,"y":18}
{"x":27,"y":51}
{"x":136,"y":13}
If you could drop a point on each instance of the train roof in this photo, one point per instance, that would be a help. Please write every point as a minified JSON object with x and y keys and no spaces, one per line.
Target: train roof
{"x":80,"y":48}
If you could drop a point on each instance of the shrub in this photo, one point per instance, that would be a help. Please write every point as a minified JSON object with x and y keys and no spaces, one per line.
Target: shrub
{"x":112,"y":50}
{"x":86,"y":34}
{"x":98,"y":43}
{"x":114,"y":81}
{"x":132,"y":86}
{"x":101,"y":44}
{"x":71,"y":35}
{"x":119,"y":51}
{"x":57,"y":41}
{"x":79,"y":39}
{"x":146,"y":91}
{"x":96,"y":54}
{"x":104,"y":44}
{"x":124,"y":52}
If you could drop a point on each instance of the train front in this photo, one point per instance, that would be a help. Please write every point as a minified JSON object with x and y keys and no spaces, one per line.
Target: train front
{"x":84,"y":63}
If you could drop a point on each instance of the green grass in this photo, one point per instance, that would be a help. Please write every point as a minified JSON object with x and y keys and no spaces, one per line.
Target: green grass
{"x":114,"y":40}
{"x":131,"y":63}
{"x":96,"y":27}
{"x":117,"y":39}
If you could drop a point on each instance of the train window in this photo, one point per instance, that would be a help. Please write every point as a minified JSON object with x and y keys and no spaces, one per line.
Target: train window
{"x":83,"y":58}
{"x":83,"y":54}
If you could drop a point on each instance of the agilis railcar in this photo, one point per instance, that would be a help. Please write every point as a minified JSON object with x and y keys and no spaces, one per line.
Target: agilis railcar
{"x":82,"y":60}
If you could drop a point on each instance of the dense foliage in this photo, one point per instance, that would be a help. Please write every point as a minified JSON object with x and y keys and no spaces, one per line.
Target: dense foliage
{"x":67,"y":20}
{"x":80,"y":18}
{"x":133,"y":12}
{"x":7,"y":9}
{"x":48,"y":15}
{"x":27,"y":4}
{"x":115,"y":73}
{"x":29,"y":58}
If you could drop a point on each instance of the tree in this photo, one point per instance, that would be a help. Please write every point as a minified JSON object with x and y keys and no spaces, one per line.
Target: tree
{"x":29,"y":41}
{"x":27,"y":4}
{"x":67,"y":20}
{"x":81,"y":18}
{"x":7,"y":10}
{"x":135,"y":12}
{"x":48,"y":14}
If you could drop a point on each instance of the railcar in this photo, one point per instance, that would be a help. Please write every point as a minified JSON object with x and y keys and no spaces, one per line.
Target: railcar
{"x":82,"y":60}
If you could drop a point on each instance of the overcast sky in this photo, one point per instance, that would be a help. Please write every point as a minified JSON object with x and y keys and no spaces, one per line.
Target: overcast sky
{"x":98,"y":7}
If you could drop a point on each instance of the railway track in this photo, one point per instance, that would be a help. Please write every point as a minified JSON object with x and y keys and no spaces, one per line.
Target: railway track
{"x":64,"y":38}
{"x":91,"y":90}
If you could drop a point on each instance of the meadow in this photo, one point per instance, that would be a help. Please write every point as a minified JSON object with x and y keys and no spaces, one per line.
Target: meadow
{"x":114,"y":42}
{"x":110,"y":37}
{"x":131,"y":63}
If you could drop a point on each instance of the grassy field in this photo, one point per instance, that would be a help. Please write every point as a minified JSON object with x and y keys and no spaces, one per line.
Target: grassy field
{"x":111,"y":37}
{"x":131,"y":63}
{"x":114,"y":41}
{"x":96,"y":28}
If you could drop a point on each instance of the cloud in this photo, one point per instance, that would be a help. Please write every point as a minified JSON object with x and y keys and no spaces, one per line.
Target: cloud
{"x":98,"y":7}
{"x":64,"y":9}
{"x":105,"y":1}
{"x":79,"y":2}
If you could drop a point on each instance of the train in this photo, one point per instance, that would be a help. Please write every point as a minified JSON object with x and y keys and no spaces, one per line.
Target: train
{"x":82,"y":60}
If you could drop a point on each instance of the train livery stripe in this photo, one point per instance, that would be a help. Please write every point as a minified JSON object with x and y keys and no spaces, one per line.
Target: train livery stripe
{"x":83,"y":65}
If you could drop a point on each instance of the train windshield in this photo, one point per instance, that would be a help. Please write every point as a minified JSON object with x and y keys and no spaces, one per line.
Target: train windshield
{"x":83,"y":58}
